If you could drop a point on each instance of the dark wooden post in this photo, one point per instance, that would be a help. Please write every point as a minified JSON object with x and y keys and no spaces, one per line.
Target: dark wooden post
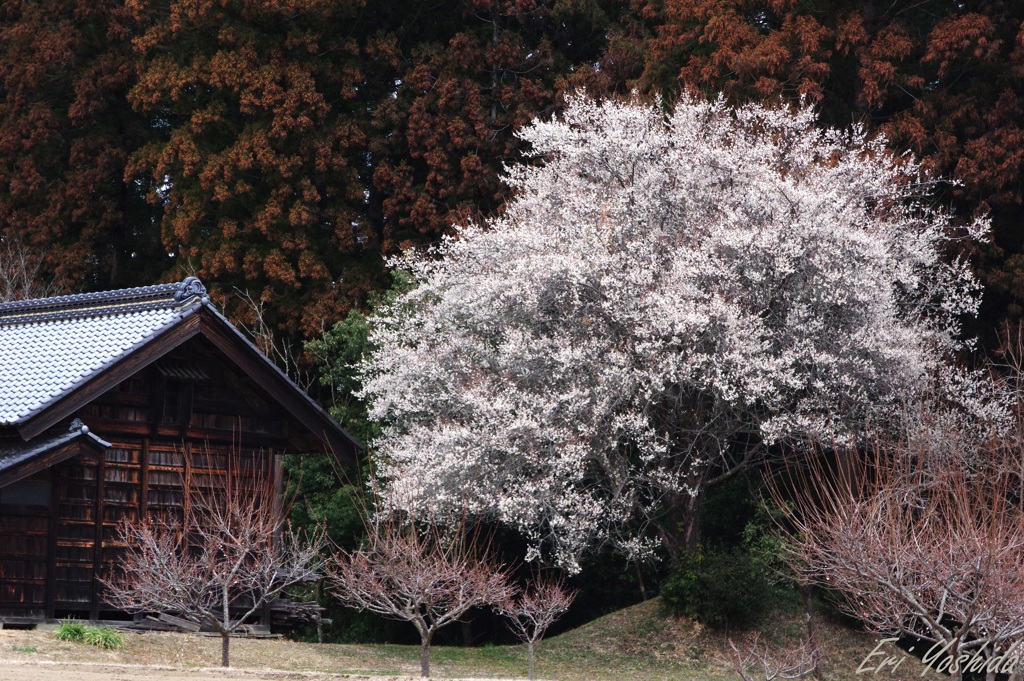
{"x":51,"y":546}
{"x":94,"y":600}
{"x":186,"y":483}
{"x":144,"y":480}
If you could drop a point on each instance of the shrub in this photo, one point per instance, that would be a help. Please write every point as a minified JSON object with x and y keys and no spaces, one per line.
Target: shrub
{"x":71,"y":630}
{"x":718,"y":587}
{"x":78,"y":632}
{"x":104,"y":637}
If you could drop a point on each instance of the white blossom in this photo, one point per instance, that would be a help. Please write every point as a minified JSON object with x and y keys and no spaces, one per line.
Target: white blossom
{"x":666,"y":294}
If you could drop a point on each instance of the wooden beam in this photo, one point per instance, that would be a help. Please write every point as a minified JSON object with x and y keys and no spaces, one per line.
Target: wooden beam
{"x":144,"y":481}
{"x":279,"y":387}
{"x":111,"y":428}
{"x":48,"y":459}
{"x":186,"y":484}
{"x":187,"y":625}
{"x":51,"y":548}
{"x":97,"y":553}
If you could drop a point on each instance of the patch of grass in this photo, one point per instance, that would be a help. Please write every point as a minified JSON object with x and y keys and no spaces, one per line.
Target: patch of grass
{"x":104,"y":637}
{"x":25,"y":649}
{"x":78,"y":632}
{"x":71,"y":630}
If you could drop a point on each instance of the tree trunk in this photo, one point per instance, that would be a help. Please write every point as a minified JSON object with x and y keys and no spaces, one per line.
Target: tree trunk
{"x":319,"y":618}
{"x":225,"y":644}
{"x":691,"y":522}
{"x":680,"y":531}
{"x":812,"y":629}
{"x":425,"y":653}
{"x":640,"y":579}
{"x":954,"y":653}
{"x":531,"y":646}
{"x":225,"y":630}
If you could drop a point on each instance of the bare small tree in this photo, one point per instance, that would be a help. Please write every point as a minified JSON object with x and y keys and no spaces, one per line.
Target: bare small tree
{"x":917,"y":547}
{"x":533,"y":610}
{"x":232,"y":554}
{"x":21,"y":275}
{"x":755,"y":662}
{"x":419,"y":572}
{"x":279,"y":349}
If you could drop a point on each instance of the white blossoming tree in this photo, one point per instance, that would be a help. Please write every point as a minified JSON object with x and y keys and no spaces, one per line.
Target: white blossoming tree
{"x":667,"y":297}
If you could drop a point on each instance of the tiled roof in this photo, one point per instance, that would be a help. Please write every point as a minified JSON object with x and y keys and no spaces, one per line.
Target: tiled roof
{"x":50,"y":346}
{"x":14,"y":450}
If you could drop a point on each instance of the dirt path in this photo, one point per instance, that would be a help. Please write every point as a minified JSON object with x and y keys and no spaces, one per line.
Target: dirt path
{"x":155,"y":656}
{"x":68,"y":671}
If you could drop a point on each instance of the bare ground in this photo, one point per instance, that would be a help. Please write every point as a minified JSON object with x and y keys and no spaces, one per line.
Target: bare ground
{"x":154,"y":656}
{"x":60,"y":671}
{"x":638,"y":643}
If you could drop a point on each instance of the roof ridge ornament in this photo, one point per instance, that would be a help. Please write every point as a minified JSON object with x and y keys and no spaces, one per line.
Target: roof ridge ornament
{"x":175,"y":295}
{"x":191,"y":286}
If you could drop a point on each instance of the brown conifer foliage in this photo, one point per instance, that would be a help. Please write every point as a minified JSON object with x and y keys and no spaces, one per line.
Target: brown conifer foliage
{"x":275,"y":148}
{"x":301,"y":139}
{"x":66,"y":130}
{"x":466,"y":76}
{"x":258,"y":166}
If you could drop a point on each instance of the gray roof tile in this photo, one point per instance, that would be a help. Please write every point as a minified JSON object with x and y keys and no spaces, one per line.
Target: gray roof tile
{"x":50,"y":346}
{"x":14,"y":451}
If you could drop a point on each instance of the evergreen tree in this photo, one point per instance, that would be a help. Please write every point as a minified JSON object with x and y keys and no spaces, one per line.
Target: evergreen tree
{"x":259,"y":162}
{"x":66,"y":131}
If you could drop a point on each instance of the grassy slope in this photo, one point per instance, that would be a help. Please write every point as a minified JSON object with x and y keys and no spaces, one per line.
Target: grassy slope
{"x":635,"y":643}
{"x":641,"y":642}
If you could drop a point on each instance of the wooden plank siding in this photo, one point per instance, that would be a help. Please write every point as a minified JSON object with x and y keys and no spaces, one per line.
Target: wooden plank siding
{"x":24,"y":532}
{"x":113,"y":405}
{"x":166,"y":435}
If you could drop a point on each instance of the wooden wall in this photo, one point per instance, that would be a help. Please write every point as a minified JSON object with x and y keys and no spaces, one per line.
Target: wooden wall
{"x":24,"y":538}
{"x":168,"y":435}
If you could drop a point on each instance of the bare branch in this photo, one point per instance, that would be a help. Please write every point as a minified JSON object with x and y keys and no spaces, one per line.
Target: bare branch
{"x":534,"y":610}
{"x":919,"y":548}
{"x":419,"y":572}
{"x":21,"y":275}
{"x":270,"y":343}
{"x":231,"y":554}
{"x":755,"y":662}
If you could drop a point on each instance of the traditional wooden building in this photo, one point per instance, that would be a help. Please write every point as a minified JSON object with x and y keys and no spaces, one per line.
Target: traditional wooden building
{"x":111,"y":406}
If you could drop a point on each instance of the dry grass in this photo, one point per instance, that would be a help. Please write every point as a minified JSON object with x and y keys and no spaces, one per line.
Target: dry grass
{"x":642,"y":643}
{"x":636,"y":643}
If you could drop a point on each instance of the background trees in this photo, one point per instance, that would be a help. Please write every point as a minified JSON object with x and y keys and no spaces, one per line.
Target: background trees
{"x":287,"y":147}
{"x":281,"y":149}
{"x":66,"y":132}
{"x":393,"y":122}
{"x":258,"y":161}
{"x":467,"y":76}
{"x":665,"y":298}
